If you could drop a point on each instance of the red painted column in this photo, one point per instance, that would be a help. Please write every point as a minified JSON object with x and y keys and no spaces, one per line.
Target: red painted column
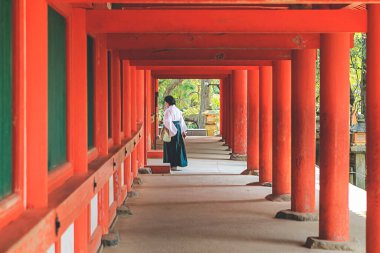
{"x":77,"y":92}
{"x":334,"y":137}
{"x":36,"y":104}
{"x":281,"y":131}
{"x":373,"y":130}
{"x":140,"y":87}
{"x":133,"y":100}
{"x":115,"y":97}
{"x":134,"y":120}
{"x":303,"y":131}
{"x":226,"y":110}
{"x":253,"y":121}
{"x":77,"y":114}
{"x":101,"y":95}
{"x":229,"y":111}
{"x":231,"y":119}
{"x":148,"y":112}
{"x":153,"y":112}
{"x":239,"y":104}
{"x":265,"y":122}
{"x":156,"y":110}
{"x":221,"y":109}
{"x":127,"y":121}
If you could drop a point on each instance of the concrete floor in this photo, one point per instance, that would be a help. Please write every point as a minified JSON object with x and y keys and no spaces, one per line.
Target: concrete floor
{"x":192,"y":212}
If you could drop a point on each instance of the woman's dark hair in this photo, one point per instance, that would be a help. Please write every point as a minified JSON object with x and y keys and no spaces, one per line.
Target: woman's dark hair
{"x":170,"y":100}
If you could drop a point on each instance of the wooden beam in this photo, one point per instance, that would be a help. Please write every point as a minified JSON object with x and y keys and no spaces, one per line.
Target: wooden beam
{"x":149,"y":64}
{"x":229,"y":2}
{"x":212,"y":41}
{"x":188,"y":76}
{"x":211,"y":54}
{"x":195,"y":73}
{"x":225,"y":21}
{"x":191,"y":69}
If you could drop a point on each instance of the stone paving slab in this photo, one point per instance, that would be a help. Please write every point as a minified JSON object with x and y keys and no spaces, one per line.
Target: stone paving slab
{"x":213,"y":213}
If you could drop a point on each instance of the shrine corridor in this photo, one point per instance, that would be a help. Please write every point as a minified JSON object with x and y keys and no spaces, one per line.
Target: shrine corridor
{"x":199,"y":210}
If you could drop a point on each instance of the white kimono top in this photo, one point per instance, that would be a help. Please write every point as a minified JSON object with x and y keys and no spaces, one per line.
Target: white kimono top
{"x":172,"y":113}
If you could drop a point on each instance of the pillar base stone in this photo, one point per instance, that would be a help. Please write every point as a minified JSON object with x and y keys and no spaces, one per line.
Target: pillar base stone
{"x":222,"y":140}
{"x":131,"y":194}
{"x":145,"y":170}
{"x":246,"y":172}
{"x":266,"y":184}
{"x":110,"y":240}
{"x":316,"y":243}
{"x":137,"y":181}
{"x":124,"y":210}
{"x":225,"y":144}
{"x":291,"y":215}
{"x":279,"y":198}
{"x":238,"y":157}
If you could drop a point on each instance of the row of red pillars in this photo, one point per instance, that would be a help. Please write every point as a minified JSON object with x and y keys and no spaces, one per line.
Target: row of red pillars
{"x":270,"y":117}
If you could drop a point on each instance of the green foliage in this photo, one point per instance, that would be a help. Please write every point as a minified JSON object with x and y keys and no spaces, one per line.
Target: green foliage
{"x":357,"y":73}
{"x":187,"y":93}
{"x":318,"y":80}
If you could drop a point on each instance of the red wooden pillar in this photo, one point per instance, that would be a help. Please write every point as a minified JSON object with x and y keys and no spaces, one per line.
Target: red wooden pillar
{"x":228,"y":103}
{"x":36,"y":104}
{"x":115,"y":97}
{"x":281,"y":131}
{"x":253,"y":121}
{"x":133,"y":100}
{"x":303,"y":131}
{"x":373,"y":129}
{"x":156,"y":83}
{"x":231,"y":113}
{"x":334,"y":137}
{"x":226,"y":109}
{"x":134,"y":120}
{"x":225,"y":120}
{"x":101,"y":95}
{"x":101,"y":119}
{"x":265,"y":122}
{"x":127,"y":121}
{"x":148,"y":112}
{"x":77,"y":92}
{"x":140,"y":87}
{"x":153,"y":112}
{"x":239,"y":102}
{"x":77,"y":113}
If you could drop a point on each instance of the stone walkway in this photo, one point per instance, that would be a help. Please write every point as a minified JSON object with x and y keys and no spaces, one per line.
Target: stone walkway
{"x":196,"y":210}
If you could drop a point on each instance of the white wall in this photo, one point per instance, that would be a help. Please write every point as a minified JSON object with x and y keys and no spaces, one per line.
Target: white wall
{"x":110,"y":191}
{"x":67,"y":240}
{"x":94,"y":213}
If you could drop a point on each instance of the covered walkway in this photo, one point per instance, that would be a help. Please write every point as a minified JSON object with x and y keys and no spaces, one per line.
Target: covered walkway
{"x":212,"y":213}
{"x":79,"y":114}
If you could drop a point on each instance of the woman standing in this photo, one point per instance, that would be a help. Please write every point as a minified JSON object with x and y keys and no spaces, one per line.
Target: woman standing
{"x":174,"y":151}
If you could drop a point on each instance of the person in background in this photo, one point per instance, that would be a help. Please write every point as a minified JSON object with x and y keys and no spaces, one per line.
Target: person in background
{"x":174,"y":151}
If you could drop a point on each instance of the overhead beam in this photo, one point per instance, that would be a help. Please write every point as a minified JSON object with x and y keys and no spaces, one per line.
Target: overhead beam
{"x":190,"y":73}
{"x":225,"y":21}
{"x":197,"y":69}
{"x":147,"y":64}
{"x":229,"y":2}
{"x":194,"y":71}
{"x":188,"y":76}
{"x":200,"y":54}
{"x":212,"y":41}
